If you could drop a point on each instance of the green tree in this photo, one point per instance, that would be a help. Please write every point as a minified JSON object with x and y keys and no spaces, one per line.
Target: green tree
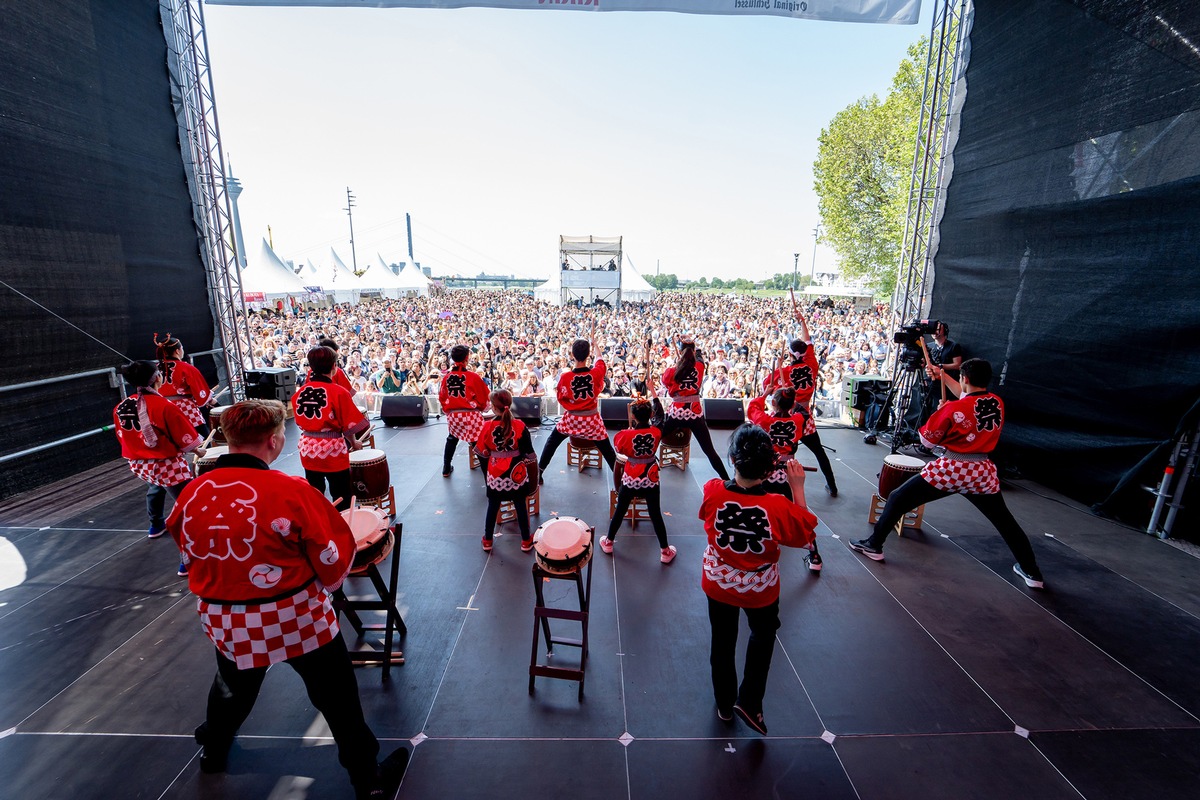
{"x":717,"y":283}
{"x":702,"y":283}
{"x":862,"y":175}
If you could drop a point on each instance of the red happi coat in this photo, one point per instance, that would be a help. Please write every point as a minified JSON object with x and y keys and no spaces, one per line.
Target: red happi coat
{"x":322,"y":407}
{"x":802,"y":376}
{"x":639,"y":443}
{"x":685,"y":394}
{"x":185,"y":386}
{"x":507,"y":467}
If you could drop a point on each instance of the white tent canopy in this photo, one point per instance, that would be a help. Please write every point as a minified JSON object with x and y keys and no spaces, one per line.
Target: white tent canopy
{"x":269,"y":275}
{"x":634,"y":288}
{"x":380,"y":276}
{"x":341,"y":287}
{"x":551,"y":290}
{"x":412,"y":274}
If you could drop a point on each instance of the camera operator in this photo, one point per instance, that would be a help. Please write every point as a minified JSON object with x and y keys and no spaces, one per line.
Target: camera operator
{"x":945,"y":353}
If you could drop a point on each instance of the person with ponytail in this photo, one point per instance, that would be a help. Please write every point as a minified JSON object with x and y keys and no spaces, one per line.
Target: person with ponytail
{"x":785,"y":424}
{"x":507,"y":450}
{"x":578,"y":393}
{"x":802,"y":376}
{"x":463,"y":395}
{"x":746,"y":526}
{"x":182,"y":384}
{"x":154,"y":434}
{"x":330,"y":425}
{"x":636,"y":448}
{"x":682,"y":383}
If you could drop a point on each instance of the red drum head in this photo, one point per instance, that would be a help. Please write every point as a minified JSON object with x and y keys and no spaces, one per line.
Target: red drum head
{"x":562,"y":545}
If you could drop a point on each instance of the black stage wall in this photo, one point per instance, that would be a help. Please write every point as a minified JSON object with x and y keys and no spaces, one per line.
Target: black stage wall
{"x":1071,"y":237}
{"x":95,"y":221}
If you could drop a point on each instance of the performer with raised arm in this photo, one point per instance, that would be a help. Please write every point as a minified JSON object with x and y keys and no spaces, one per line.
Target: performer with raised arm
{"x":681,"y":384}
{"x":463,"y":396}
{"x":746,"y":526}
{"x":329,"y":424}
{"x":182,"y":383}
{"x":968,"y":428}
{"x":506,"y":447}
{"x":154,"y":434}
{"x":579,"y":394}
{"x":266,"y":550}
{"x":785,"y":424}
{"x":636,"y":448}
{"x":802,"y":376}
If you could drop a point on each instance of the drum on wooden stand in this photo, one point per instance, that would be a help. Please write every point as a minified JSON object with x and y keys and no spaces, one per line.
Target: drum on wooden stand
{"x":677,"y":437}
{"x":369,"y":474}
{"x":562,"y":545}
{"x":533,"y":471}
{"x":209,"y":460}
{"x":896,"y":470}
{"x":214,"y":422}
{"x":373,"y":535}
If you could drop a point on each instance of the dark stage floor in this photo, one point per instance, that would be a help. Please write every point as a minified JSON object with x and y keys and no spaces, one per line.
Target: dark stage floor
{"x":936,"y":674}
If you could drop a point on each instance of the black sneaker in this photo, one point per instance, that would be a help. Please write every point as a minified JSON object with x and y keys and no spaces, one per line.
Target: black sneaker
{"x":813,"y":559}
{"x":1030,"y":580}
{"x":390,"y":774}
{"x":446,"y":471}
{"x":755,"y":721}
{"x":213,"y":759}
{"x":864,"y":546}
{"x":725,"y":715}
{"x":831,"y":489}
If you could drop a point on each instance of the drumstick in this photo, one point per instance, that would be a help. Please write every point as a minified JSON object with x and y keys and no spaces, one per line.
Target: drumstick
{"x":204,"y":444}
{"x":925,"y":350}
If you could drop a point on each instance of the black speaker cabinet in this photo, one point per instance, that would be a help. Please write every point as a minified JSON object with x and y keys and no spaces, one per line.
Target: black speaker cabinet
{"x":257,"y":391}
{"x":615,"y":411}
{"x":270,"y":376}
{"x":402,"y":409}
{"x":528,"y":410}
{"x":724,"y":413}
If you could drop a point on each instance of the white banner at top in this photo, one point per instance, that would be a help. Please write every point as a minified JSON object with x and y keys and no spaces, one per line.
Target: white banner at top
{"x":893,"y":12}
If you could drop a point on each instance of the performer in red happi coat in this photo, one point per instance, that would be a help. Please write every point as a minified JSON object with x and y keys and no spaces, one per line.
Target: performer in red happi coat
{"x":968,"y":428}
{"x":182,"y":383}
{"x":579,"y":395}
{"x":681,"y":383}
{"x":637,"y":449}
{"x":463,"y":396}
{"x":265,"y":551}
{"x":154,"y":434}
{"x":510,"y":470}
{"x":329,"y":424}
{"x":746,"y":527}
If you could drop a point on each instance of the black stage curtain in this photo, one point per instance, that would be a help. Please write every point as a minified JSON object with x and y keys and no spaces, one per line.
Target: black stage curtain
{"x":1070,"y":240}
{"x":95,"y":222}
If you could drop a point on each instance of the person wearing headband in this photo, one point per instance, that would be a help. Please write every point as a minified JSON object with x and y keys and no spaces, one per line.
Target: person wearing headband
{"x":182,"y":383}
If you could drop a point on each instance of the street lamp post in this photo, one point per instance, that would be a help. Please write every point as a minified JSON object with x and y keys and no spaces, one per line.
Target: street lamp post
{"x":795,"y":267}
{"x":816,"y":234}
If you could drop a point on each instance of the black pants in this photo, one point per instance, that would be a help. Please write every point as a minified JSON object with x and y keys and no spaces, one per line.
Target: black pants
{"x":723,"y":655}
{"x":339,"y":485}
{"x":813,"y":443}
{"x":448,"y":454}
{"x":329,"y":679}
{"x":493,"y":508}
{"x":699,"y":429}
{"x":625,"y":496}
{"x":156,"y":501}
{"x":916,"y":492}
{"x":557,"y":437}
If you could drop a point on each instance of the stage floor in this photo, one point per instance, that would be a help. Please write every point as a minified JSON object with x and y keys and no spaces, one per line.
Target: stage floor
{"x":935,"y":674}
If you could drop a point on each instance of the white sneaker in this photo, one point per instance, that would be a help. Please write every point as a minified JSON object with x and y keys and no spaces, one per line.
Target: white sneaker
{"x":606,"y":544}
{"x":668,"y":554}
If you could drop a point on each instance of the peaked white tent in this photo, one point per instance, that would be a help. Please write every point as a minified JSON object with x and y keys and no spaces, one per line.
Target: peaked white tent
{"x":379,"y":275}
{"x":412,"y":274}
{"x":341,"y":288}
{"x":269,"y":275}
{"x":551,"y":290}
{"x":345,"y":274}
{"x":634,"y":288}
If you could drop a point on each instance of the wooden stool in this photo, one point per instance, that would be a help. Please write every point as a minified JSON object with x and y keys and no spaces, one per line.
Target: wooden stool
{"x":393,"y":623}
{"x":508,"y":510}
{"x":637,"y":509}
{"x":542,"y":614}
{"x":910,"y":521}
{"x":675,"y":450}
{"x":386,"y":503}
{"x":474,"y":458}
{"x":583,"y":453}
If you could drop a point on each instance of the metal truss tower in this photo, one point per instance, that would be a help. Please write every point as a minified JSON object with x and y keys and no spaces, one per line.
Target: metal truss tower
{"x":200,"y":143}
{"x":926,"y":194}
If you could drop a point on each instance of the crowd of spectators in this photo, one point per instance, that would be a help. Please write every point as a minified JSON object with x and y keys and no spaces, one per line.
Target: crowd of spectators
{"x":401,"y":346}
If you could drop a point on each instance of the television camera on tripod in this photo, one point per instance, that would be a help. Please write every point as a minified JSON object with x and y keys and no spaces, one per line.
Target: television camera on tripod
{"x":897,"y":406}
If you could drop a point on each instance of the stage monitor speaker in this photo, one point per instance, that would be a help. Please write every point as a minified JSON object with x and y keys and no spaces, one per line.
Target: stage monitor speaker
{"x":615,"y":411}
{"x":283,"y":394}
{"x":402,"y":409}
{"x":528,"y":410}
{"x":724,"y":413}
{"x":866,"y":389}
{"x":271,"y":376}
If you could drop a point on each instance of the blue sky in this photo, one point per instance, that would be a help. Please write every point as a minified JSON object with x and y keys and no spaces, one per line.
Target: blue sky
{"x":691,"y":136}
